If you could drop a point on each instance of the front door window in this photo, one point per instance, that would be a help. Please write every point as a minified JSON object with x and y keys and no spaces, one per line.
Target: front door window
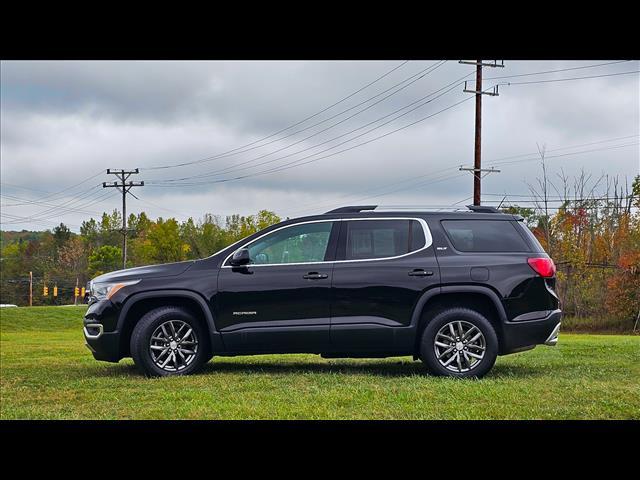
{"x":296,"y":244}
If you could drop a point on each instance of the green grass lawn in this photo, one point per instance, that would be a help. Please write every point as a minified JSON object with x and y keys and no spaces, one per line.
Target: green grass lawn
{"x":46,"y":372}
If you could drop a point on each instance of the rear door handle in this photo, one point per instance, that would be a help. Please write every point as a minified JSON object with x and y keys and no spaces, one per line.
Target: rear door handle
{"x":419,"y":272}
{"x":315,"y":276}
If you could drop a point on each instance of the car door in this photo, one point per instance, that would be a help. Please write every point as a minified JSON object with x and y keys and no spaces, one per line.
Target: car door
{"x":383,"y":265}
{"x":280,"y":301}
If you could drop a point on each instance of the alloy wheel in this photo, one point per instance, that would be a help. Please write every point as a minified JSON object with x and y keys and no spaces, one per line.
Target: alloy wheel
{"x":173,"y":345}
{"x":459,"y":346}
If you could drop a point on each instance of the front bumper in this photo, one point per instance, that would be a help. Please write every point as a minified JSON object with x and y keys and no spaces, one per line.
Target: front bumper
{"x":103,"y":344}
{"x":523,"y":335}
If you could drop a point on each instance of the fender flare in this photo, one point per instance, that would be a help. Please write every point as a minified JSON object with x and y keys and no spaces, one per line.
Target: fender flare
{"x":137,"y":297}
{"x":429,"y":294}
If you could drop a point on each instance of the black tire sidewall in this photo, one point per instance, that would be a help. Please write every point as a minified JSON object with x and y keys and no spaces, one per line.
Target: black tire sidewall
{"x":143,"y":330}
{"x":428,"y":354}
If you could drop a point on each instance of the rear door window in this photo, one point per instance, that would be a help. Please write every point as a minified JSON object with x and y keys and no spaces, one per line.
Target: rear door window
{"x":371,"y":239}
{"x":484,"y":236}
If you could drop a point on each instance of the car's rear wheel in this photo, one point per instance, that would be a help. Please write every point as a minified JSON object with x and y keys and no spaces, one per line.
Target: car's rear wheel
{"x":459,"y":342}
{"x":169,"y":341}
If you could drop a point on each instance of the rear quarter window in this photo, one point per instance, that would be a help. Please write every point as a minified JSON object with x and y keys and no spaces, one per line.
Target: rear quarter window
{"x":532,"y":238}
{"x":484,"y":236}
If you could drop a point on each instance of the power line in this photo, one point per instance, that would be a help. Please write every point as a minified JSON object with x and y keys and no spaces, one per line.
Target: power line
{"x":284,"y":129}
{"x":279,"y":168}
{"x":612,"y":147}
{"x":50,"y":195}
{"x":453,"y":85}
{"x":66,"y":205}
{"x":235,"y":167}
{"x":299,"y":162}
{"x":571,"y":78}
{"x":558,"y":70}
{"x":565,"y":148}
{"x":413,"y":178}
{"x":24,"y":201}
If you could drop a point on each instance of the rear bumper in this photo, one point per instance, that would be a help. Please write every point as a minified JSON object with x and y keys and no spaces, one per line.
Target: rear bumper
{"x":523,"y":335}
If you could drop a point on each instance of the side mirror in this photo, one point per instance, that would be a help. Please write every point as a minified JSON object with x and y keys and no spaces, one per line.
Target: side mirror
{"x":240,"y":257}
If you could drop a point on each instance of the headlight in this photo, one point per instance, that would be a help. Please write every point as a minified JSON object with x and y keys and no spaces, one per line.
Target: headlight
{"x":108,"y":289}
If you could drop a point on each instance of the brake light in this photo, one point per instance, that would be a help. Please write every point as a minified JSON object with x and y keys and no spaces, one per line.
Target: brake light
{"x":543,"y":266}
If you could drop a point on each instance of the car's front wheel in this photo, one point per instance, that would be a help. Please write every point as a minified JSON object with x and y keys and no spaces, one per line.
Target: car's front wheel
{"x":459,"y":342}
{"x":169,"y":341}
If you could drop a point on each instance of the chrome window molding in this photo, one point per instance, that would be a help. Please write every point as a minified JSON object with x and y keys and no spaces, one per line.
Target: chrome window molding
{"x":427,"y":237}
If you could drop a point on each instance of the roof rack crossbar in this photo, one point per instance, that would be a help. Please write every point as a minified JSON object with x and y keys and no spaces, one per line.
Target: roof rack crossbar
{"x":352,"y":209}
{"x":483,"y":209}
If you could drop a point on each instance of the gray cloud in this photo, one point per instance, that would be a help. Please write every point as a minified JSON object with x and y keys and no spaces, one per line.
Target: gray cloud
{"x":63,"y":121}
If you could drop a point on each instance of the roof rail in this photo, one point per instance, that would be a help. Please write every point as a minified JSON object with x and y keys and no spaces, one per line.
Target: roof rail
{"x":483,"y":209}
{"x":352,"y":209}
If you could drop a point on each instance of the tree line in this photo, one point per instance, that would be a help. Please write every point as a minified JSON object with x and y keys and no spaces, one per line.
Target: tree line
{"x":593,"y":239}
{"x":66,"y":259}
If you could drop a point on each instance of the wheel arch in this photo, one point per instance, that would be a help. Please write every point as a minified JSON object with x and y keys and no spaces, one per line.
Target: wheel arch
{"x":475,"y":297}
{"x":141,"y":303}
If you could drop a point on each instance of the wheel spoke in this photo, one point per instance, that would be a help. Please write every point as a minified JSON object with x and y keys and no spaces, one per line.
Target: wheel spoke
{"x":186,"y":335}
{"x":451,"y":359}
{"x":478,"y":335}
{"x":447,"y":337}
{"x":166,"y":335}
{"x":468,"y":332}
{"x":179,"y":330}
{"x":445,"y":352}
{"x":466,"y":357}
{"x":164,"y":364}
{"x":443,"y":345}
{"x":158,"y":347}
{"x":452,"y":330}
{"x":184,"y":359}
{"x":474,"y":355}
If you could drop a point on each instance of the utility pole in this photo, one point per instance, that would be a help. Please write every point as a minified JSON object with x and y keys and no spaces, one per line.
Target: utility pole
{"x":124,"y":187}
{"x":31,"y":289}
{"x":477,"y":157}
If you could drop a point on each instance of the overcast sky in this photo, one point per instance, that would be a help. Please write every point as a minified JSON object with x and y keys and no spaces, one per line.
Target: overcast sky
{"x":63,"y":122}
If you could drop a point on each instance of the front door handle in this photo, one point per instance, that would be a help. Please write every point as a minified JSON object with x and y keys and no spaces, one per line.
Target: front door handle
{"x":419,"y":272}
{"x":315,"y":276}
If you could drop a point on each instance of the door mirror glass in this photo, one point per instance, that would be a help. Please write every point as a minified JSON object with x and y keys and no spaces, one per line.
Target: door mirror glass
{"x":240,"y":257}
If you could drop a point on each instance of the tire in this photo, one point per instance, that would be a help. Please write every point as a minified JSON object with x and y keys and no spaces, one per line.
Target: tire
{"x":179,"y":358}
{"x":465,"y":364}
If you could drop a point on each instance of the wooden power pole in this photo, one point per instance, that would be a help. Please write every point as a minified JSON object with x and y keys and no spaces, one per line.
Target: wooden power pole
{"x":477,"y":154}
{"x":123,"y":186}
{"x":31,"y":289}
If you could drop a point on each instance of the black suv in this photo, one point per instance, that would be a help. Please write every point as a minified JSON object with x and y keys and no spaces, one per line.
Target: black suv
{"x":454,"y":289}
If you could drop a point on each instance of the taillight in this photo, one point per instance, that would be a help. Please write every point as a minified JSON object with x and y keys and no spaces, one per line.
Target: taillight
{"x":543,"y":266}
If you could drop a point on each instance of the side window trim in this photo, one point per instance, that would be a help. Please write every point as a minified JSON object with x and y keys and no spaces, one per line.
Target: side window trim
{"x":339,"y":247}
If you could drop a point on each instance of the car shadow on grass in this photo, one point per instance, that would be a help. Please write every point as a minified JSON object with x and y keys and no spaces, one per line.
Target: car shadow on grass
{"x":382,"y":369}
{"x":260,"y":368}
